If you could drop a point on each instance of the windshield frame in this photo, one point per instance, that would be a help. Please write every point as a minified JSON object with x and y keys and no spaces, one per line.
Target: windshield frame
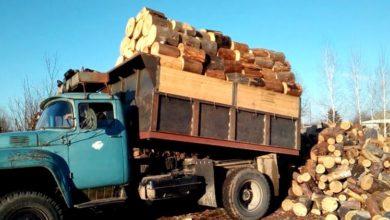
{"x":71,"y":102}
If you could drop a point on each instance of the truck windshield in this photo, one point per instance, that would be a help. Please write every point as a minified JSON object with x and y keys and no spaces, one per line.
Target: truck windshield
{"x":56,"y":115}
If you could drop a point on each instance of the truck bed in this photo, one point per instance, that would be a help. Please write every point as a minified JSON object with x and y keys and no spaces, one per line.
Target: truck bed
{"x":178,"y":106}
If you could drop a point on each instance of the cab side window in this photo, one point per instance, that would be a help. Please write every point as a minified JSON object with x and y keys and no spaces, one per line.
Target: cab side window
{"x":102,"y":111}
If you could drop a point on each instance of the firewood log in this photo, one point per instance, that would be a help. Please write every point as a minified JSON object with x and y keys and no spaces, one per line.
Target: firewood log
{"x":339,"y":173}
{"x":327,"y":161}
{"x":177,"y":26}
{"x":190,"y":41}
{"x":296,"y":188}
{"x":189,"y":30}
{"x":239,"y":46}
{"x":202,"y":34}
{"x":209,"y":47}
{"x":191,"y":65}
{"x":277,"y":56}
{"x":302,"y":206}
{"x":137,"y":33}
{"x":130,"y":26}
{"x":331,"y":216}
{"x":274,"y":85}
{"x":259,"y":52}
{"x":221,"y":40}
{"x":268,"y":74}
{"x":164,"y":49}
{"x":264,"y":62}
{"x":247,"y":57}
{"x":226,"y":54}
{"x":232,"y":66}
{"x":214,"y":63}
{"x":192,"y":53}
{"x":280,"y":67}
{"x":288,"y":204}
{"x":345,"y":125}
{"x":152,"y":19}
{"x":219,"y":74}
{"x":285,"y":76}
{"x":251,"y":70}
{"x":162,"y":35}
{"x":372,"y":206}
{"x":335,"y":186}
{"x":329,"y":204}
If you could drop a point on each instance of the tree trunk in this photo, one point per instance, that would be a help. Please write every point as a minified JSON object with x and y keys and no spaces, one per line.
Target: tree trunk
{"x":226,"y":54}
{"x":190,"y":65}
{"x":259,"y":52}
{"x":243,"y":48}
{"x":264,"y":62}
{"x":232,"y":66}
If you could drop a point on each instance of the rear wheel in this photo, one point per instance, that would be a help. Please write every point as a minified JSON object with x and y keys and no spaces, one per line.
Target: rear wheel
{"x":246,"y":194}
{"x":29,"y":206}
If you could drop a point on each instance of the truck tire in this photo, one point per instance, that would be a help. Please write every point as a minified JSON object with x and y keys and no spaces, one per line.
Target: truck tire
{"x":29,"y":205}
{"x":246,"y":194}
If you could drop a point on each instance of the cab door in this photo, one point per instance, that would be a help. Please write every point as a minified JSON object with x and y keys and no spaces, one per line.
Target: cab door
{"x":96,"y":155}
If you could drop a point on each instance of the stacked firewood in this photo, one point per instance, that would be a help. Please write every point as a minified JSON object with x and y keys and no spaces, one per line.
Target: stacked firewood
{"x":346,"y":177}
{"x":180,"y":46}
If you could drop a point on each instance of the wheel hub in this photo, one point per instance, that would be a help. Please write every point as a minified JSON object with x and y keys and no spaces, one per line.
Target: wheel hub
{"x":246,"y":195}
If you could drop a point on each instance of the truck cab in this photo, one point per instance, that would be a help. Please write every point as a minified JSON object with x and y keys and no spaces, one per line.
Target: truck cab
{"x":79,"y":143}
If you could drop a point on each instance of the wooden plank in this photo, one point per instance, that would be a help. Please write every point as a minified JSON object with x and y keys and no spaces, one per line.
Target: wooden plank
{"x":267,"y":101}
{"x":195,"y":86}
{"x":195,"y":118}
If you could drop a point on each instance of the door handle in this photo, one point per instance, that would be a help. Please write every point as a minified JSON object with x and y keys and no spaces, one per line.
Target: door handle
{"x":115,"y":136}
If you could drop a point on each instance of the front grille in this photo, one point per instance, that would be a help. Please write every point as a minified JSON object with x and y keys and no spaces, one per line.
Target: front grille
{"x":19,"y":140}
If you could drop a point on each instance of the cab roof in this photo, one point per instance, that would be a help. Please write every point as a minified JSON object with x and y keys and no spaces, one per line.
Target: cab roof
{"x":78,"y":95}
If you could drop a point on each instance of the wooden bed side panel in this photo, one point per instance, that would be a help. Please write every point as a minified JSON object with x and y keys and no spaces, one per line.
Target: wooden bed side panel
{"x":194,"y":86}
{"x":267,"y":101}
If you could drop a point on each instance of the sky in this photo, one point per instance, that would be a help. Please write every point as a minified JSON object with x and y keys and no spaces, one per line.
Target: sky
{"x":88,"y":33}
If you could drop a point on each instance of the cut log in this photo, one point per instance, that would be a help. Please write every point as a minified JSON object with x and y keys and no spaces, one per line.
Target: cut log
{"x":296,"y":188}
{"x":130,"y":26}
{"x":285,"y":76}
{"x":214,"y":63}
{"x":372,"y":206}
{"x":345,"y":125}
{"x":280,"y":67}
{"x":339,"y":174}
{"x":192,"y":53}
{"x":226,"y":54}
{"x":274,"y":85}
{"x":294,"y":90}
{"x":152,"y":19}
{"x":137,"y":33}
{"x":209,"y":47}
{"x":191,"y":65}
{"x":264,"y":62}
{"x":158,"y":48}
{"x":354,"y":195}
{"x":177,"y":26}
{"x":287,"y":204}
{"x":162,"y":35}
{"x":222,"y":40}
{"x":331,"y":216}
{"x":320,"y":169}
{"x":239,"y":46}
{"x":302,"y":206}
{"x":219,"y":74}
{"x":277,"y":56}
{"x":327,"y":161}
{"x":190,"y":41}
{"x":247,"y":58}
{"x":329,"y":204}
{"x":232,"y":66}
{"x":336,"y":186}
{"x":259,"y":52}
{"x":268,"y":74}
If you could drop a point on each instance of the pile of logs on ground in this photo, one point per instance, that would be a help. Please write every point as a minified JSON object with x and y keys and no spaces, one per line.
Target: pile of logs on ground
{"x":180,"y":46}
{"x":346,"y":177}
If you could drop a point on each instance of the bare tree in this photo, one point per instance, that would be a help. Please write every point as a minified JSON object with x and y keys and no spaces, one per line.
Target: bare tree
{"x":355,"y":67}
{"x":382,"y":71}
{"x":372,"y":97}
{"x":24,"y":109}
{"x":4,"y":122}
{"x":329,"y":69}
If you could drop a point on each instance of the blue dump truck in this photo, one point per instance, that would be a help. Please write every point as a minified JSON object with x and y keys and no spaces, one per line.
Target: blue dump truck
{"x":159,"y":132}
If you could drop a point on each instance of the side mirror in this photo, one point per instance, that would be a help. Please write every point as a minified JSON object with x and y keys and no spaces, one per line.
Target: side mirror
{"x":90,"y":120}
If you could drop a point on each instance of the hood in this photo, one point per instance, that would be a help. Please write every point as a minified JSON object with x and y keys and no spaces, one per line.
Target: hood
{"x":30,"y":138}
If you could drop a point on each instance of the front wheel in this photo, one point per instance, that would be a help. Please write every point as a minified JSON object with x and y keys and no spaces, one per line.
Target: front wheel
{"x":29,"y":205}
{"x":246,"y":194}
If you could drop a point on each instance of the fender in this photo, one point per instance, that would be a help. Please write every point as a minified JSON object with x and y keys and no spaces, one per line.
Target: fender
{"x":15,"y":158}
